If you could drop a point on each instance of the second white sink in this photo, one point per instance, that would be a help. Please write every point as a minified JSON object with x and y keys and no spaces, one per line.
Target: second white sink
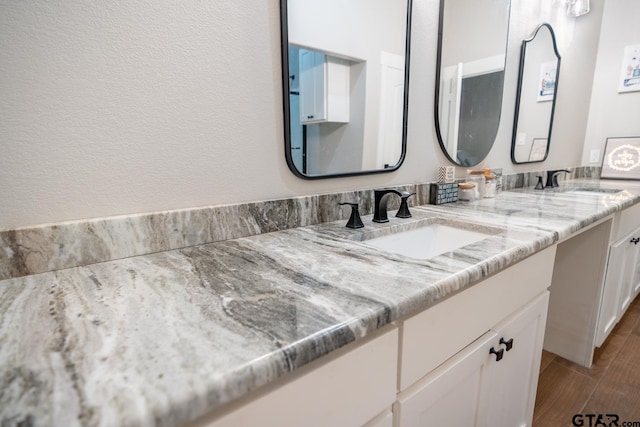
{"x":428,"y":241}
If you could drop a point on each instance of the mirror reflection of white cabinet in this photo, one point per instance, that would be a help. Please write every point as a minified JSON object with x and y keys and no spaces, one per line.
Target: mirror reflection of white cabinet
{"x":324,"y":88}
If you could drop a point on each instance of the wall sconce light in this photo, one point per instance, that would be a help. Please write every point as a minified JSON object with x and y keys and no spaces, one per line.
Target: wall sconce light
{"x":578,"y":7}
{"x":574,"y":7}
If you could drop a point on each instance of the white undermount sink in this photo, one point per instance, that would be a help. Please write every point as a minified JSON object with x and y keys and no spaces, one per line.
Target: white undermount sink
{"x":429,"y":240}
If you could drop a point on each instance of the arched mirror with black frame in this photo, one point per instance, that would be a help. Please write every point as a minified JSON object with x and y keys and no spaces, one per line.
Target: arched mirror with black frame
{"x":345,"y":74}
{"x":472,"y":47}
{"x":536,"y":96}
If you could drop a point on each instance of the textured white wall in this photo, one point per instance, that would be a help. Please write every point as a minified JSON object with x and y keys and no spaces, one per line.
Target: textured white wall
{"x":613,"y":114}
{"x":118,"y":107}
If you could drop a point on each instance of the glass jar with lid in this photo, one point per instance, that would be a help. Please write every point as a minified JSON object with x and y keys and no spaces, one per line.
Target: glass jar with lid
{"x":490,"y":189}
{"x":478,"y":178}
{"x":467,"y":191}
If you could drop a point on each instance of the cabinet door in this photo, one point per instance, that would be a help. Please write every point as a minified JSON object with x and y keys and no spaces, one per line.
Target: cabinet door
{"x":512,"y":381}
{"x":608,"y":316}
{"x":627,"y":286}
{"x":312,"y":86}
{"x":635,"y":273}
{"x":478,"y":387}
{"x":451,"y":395}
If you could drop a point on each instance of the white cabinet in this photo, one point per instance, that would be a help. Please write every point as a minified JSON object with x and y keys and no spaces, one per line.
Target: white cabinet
{"x":622,"y":283}
{"x":512,"y":382}
{"x":622,"y":280}
{"x":609,"y":306}
{"x":452,"y":394}
{"x":636,"y":269}
{"x":492,"y":382}
{"x":432,"y":337}
{"x":324,"y":88}
{"x":629,"y":283}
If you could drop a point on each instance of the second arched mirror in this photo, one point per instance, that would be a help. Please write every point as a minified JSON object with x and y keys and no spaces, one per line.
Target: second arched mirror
{"x":536,"y":96}
{"x":472,"y":47}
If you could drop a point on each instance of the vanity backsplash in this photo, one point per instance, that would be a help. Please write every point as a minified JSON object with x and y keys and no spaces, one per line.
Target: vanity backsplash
{"x":46,"y":248}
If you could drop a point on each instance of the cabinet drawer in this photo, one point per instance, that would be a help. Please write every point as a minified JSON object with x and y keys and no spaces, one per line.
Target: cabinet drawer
{"x":349,"y":390}
{"x":436,"y":334}
{"x":626,"y":221}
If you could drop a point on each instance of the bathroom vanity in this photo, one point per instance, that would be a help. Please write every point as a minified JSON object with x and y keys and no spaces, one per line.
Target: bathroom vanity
{"x":313,"y":324}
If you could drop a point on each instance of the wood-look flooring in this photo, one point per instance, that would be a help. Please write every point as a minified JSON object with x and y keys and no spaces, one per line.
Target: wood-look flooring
{"x":610,"y":386}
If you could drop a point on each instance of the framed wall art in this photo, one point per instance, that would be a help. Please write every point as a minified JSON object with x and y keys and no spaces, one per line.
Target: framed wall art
{"x":630,"y":72}
{"x":621,"y":158}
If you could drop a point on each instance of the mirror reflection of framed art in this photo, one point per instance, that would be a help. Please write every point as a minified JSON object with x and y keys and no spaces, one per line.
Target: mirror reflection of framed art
{"x":538,"y":149}
{"x":621,"y":158}
{"x":630,"y":72}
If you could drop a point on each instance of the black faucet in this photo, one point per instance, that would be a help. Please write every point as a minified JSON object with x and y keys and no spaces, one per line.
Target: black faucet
{"x":552,"y":177}
{"x":380,"y":204}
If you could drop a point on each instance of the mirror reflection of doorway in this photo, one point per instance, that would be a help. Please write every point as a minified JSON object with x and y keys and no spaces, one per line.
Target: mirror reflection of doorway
{"x":391,"y":110}
{"x":297,"y":129}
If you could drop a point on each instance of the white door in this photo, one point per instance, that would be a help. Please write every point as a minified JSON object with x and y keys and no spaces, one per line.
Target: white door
{"x":636,"y":265}
{"x":449,"y":108}
{"x":391,"y":109}
{"x":296,"y":133}
{"x":451,"y":395}
{"x":608,"y":315}
{"x":512,"y":381}
{"x":629,"y":269}
{"x":490,"y":383}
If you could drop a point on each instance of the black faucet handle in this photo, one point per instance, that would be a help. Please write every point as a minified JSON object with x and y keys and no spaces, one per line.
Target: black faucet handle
{"x":403,"y":212}
{"x":555,"y":179}
{"x":354,"y":220}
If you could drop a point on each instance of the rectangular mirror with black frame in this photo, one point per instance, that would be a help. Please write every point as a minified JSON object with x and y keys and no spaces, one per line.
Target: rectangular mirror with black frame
{"x":345,"y":66}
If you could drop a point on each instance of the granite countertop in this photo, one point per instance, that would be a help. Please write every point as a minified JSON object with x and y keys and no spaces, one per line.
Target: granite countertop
{"x":161,"y":339}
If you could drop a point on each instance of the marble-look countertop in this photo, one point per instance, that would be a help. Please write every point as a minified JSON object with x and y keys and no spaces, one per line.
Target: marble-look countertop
{"x":161,"y":339}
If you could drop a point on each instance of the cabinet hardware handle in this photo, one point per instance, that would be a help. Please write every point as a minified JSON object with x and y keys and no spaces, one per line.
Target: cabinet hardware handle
{"x":309,"y":117}
{"x":507,"y":344}
{"x":635,"y":240}
{"x":498,"y":353}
